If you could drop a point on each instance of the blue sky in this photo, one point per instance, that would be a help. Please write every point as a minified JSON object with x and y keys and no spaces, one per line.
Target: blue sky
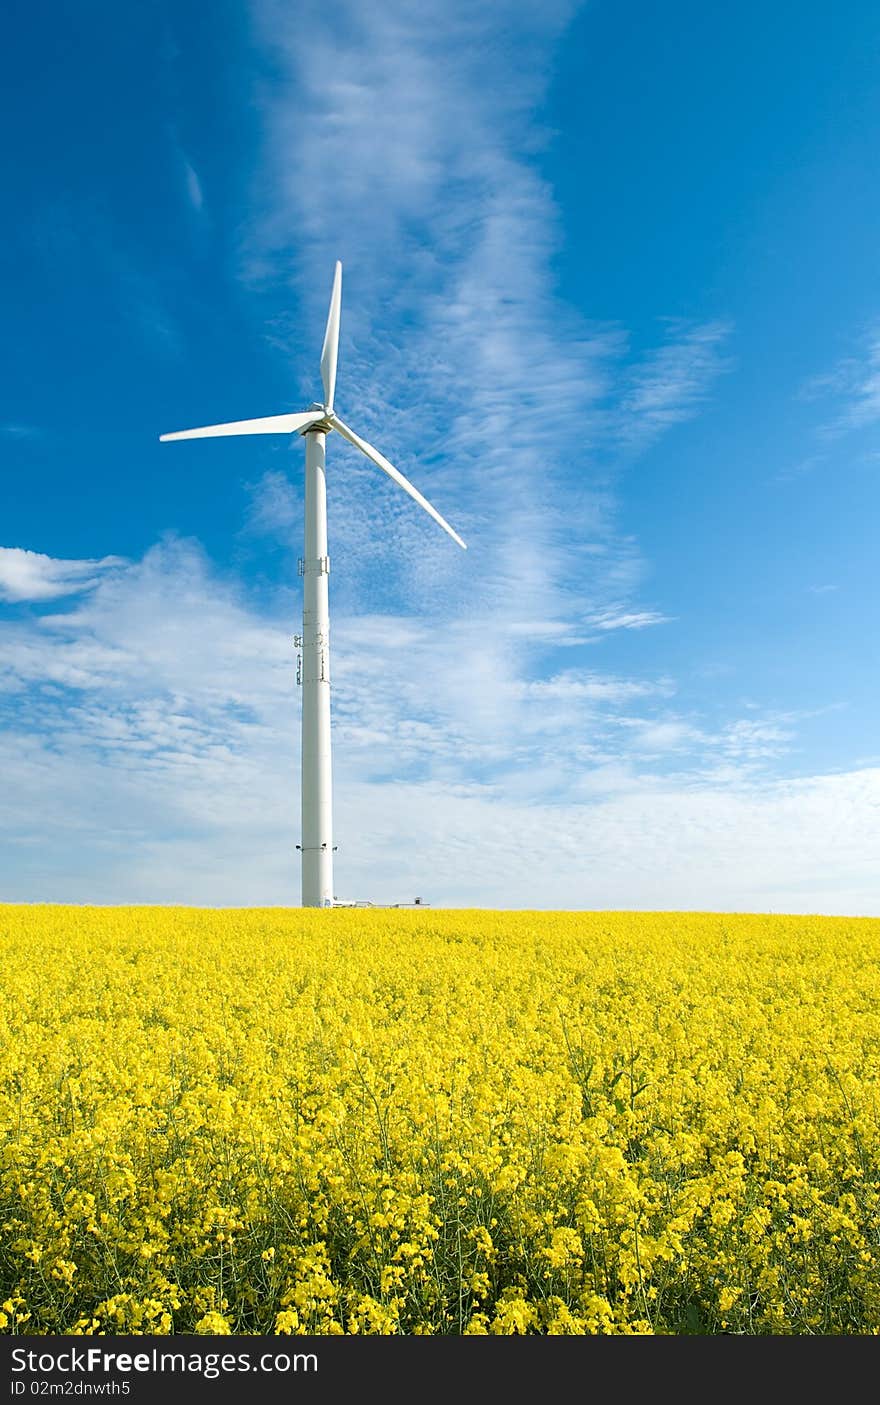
{"x":610,"y":300}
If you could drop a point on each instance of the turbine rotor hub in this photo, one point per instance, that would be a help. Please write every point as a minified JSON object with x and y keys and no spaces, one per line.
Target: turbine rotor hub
{"x":321,"y":426}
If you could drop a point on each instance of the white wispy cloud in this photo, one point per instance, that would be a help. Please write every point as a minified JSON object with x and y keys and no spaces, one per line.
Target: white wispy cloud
{"x":403,"y":141}
{"x":570,"y":684}
{"x":657,"y":737}
{"x":194,"y":191}
{"x":854,"y":382}
{"x":752,"y":739}
{"x":30,"y":575}
{"x":617,"y":618}
{"x":671,"y":383}
{"x":149,"y":753}
{"x":188,"y":179}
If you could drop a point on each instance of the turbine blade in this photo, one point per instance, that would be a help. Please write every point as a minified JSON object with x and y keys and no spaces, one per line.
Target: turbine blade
{"x":386,"y":467}
{"x":273,"y":424}
{"x":330,"y":349}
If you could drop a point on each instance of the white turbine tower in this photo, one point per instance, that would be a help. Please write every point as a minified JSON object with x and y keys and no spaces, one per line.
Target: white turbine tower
{"x":314,"y":425}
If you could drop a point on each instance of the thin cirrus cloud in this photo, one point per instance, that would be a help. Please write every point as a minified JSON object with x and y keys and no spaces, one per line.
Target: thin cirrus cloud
{"x":194,"y":192}
{"x":493,"y":393}
{"x":612,"y":618}
{"x":671,"y":383}
{"x":189,"y":180}
{"x":854,"y":383}
{"x":865,"y":391}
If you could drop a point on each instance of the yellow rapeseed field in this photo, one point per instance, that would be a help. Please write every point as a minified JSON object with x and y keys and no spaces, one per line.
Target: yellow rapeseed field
{"x":422,"y":1122}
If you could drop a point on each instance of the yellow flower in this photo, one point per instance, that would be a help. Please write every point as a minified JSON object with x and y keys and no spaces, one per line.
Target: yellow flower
{"x":213,"y":1324}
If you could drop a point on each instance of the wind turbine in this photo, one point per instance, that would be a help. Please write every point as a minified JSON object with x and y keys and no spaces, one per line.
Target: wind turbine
{"x":314,"y":424}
